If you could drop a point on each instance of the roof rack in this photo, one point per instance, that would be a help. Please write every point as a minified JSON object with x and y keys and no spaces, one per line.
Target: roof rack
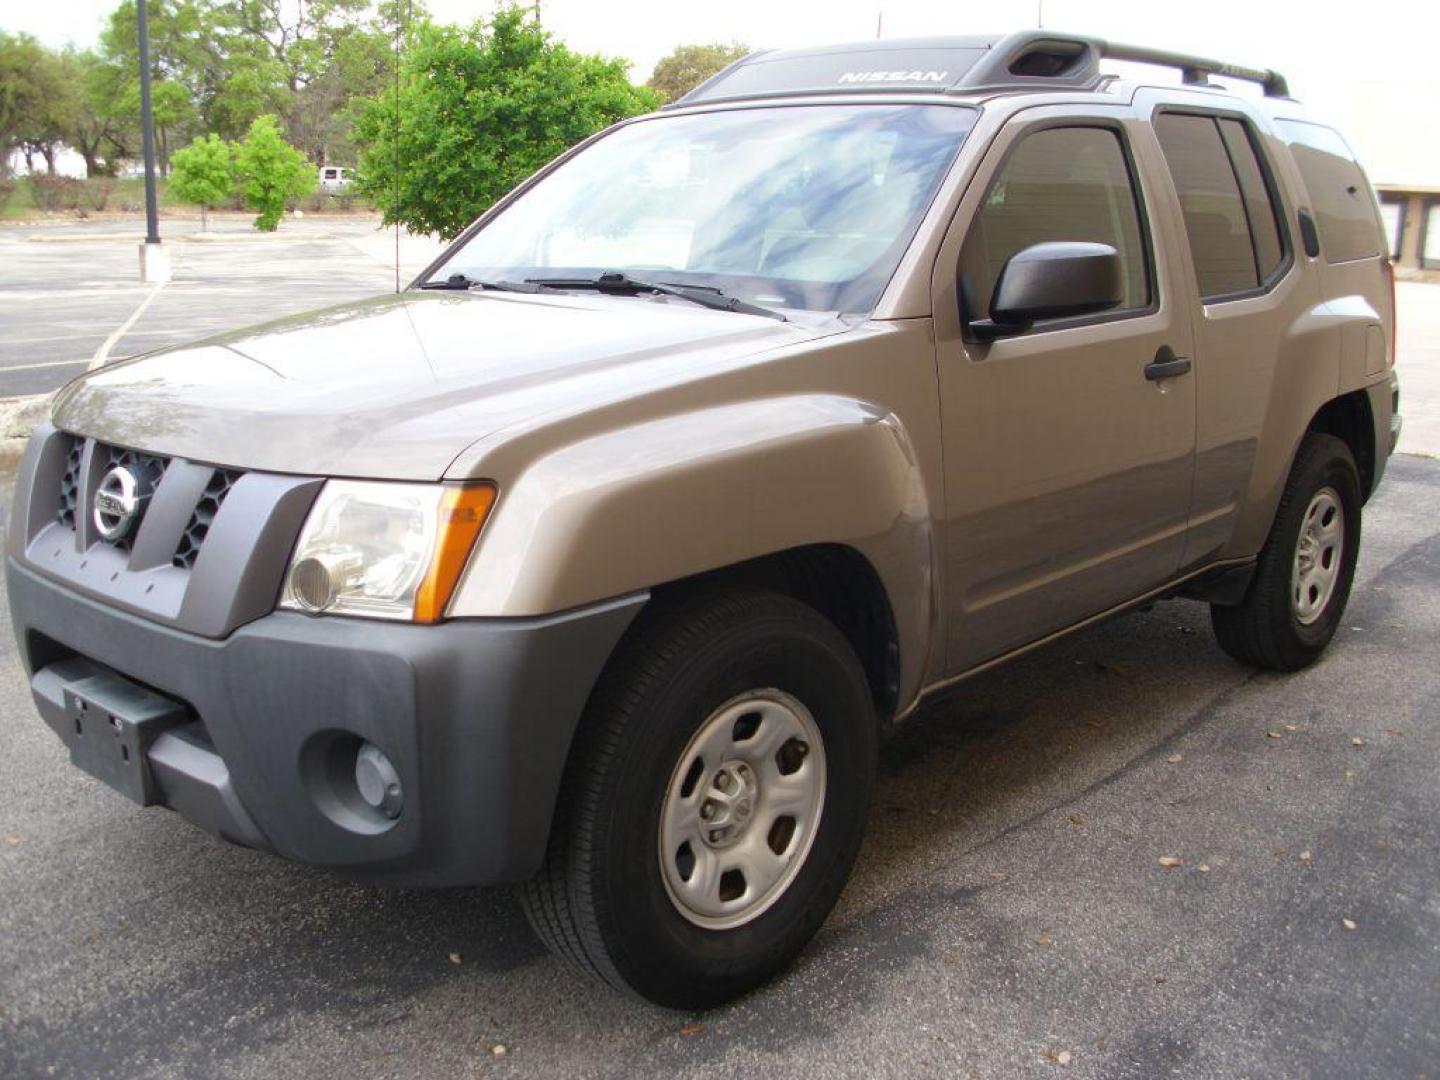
{"x":1024,"y":60}
{"x":1195,"y":69}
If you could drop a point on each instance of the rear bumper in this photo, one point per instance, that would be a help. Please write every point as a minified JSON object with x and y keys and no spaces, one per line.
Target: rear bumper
{"x":476,"y":715}
{"x":1385,"y":411}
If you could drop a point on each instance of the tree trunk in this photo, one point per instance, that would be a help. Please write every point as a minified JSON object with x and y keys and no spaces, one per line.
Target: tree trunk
{"x":204,"y":221}
{"x":49,"y":152}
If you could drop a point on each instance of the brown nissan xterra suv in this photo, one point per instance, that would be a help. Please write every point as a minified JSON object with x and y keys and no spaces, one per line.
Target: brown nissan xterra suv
{"x":597,"y":559}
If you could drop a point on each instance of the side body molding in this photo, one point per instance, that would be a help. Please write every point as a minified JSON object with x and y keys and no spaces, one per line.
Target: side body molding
{"x":667,"y":498}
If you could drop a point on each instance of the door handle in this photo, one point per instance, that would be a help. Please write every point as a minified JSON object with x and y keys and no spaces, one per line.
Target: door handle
{"x":1166,"y":365}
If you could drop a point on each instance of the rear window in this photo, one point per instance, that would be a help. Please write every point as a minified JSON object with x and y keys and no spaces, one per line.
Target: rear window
{"x":1340,"y":195}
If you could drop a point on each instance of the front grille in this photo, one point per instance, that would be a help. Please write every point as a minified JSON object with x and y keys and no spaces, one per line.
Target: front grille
{"x":147,"y":468}
{"x":188,"y":550}
{"x":70,"y":483}
{"x":150,"y":470}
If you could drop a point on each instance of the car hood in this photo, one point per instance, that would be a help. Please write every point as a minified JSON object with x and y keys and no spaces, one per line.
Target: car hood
{"x":397,"y":387}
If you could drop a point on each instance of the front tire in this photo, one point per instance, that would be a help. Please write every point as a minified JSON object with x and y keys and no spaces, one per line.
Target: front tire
{"x":1302,"y":579}
{"x":714,"y":801}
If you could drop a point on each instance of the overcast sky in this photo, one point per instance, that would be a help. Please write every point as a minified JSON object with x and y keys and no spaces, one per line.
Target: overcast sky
{"x":1369,"y":67}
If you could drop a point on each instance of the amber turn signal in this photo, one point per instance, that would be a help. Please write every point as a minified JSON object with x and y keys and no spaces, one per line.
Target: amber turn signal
{"x":463,"y":510}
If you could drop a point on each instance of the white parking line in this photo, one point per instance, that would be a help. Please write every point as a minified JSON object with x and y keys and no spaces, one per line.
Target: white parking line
{"x":42,"y":364}
{"x":103,"y":353}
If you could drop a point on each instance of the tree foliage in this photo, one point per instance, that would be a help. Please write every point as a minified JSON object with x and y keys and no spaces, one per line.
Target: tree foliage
{"x":203,"y":173}
{"x":33,"y":102}
{"x":476,"y":111}
{"x":690,"y":65}
{"x":269,"y":172}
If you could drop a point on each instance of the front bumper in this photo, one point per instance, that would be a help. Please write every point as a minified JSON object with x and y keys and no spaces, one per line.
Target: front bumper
{"x":476,"y":715}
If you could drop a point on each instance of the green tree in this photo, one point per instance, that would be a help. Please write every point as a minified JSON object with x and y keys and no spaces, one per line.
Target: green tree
{"x":99,"y":126}
{"x":203,"y":173}
{"x":477,"y":110}
{"x":690,"y":65}
{"x":269,"y":172}
{"x":187,"y":63}
{"x":35,"y":100}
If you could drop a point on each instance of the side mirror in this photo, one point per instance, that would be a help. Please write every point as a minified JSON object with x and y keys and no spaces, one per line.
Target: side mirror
{"x":1052,"y":281}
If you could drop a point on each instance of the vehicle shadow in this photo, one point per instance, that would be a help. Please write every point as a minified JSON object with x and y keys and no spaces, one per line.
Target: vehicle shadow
{"x":254,"y":948}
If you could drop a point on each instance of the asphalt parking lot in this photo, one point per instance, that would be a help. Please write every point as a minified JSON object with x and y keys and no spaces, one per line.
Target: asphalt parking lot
{"x":69,"y":290}
{"x":1009,"y":915}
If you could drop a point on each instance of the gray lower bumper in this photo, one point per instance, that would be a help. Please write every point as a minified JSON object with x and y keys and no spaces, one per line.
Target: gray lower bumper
{"x":476,"y":715}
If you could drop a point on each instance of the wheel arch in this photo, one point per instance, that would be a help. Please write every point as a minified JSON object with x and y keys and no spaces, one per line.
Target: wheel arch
{"x":839,"y":582}
{"x":1350,"y":419}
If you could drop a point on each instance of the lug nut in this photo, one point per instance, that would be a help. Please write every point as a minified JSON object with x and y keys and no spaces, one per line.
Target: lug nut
{"x":707,"y":810}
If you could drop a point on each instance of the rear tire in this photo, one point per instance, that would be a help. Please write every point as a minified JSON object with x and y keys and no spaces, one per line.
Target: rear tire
{"x":1302,"y":579}
{"x":717,"y":702}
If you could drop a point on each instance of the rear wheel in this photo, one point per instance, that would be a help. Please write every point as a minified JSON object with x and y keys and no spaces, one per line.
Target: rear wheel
{"x":714,"y":801}
{"x":1302,"y":580}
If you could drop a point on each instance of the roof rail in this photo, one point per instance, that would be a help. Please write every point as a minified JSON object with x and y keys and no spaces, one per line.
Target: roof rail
{"x":1194,"y":69}
{"x":1024,"y":60}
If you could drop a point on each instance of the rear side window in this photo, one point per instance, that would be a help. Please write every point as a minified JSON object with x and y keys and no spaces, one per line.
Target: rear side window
{"x":1228,"y":209}
{"x":1260,"y":211}
{"x":1057,"y":184}
{"x":1340,"y":195}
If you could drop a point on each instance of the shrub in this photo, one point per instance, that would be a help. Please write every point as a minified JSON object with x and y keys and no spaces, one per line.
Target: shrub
{"x":97,"y":191}
{"x":204,"y":174}
{"x":7,"y":188}
{"x":270,"y":172}
{"x":52,"y":193}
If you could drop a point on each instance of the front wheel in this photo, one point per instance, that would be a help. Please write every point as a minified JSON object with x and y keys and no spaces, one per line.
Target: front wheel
{"x":714,"y":801}
{"x":1302,"y":579}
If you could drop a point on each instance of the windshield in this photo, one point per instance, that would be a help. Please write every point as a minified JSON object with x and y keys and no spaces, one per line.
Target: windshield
{"x":801,"y":206}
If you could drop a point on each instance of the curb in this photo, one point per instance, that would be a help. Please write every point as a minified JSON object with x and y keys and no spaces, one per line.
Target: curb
{"x":18,"y":418}
{"x":183,"y":238}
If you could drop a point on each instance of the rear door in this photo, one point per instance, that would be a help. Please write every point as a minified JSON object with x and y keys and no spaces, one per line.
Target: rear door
{"x":1250,"y":301}
{"x":1067,"y":470}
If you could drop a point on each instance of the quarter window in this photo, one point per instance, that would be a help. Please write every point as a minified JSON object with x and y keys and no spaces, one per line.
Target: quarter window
{"x":1345,"y":210}
{"x":1058,"y":184}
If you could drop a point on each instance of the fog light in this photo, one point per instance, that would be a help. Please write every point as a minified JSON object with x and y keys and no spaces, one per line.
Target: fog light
{"x":377,"y":781}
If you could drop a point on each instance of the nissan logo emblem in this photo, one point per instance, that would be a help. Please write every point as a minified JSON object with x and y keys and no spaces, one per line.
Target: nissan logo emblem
{"x":118,"y":503}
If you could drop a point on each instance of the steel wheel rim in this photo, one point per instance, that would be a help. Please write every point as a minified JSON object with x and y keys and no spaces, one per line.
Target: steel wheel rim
{"x":1318,"y":553}
{"x":745,"y":798}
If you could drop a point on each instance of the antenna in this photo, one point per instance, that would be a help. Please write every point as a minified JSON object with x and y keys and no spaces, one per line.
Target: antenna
{"x":879,"y":24}
{"x":395,"y":183}
{"x":1040,"y":14}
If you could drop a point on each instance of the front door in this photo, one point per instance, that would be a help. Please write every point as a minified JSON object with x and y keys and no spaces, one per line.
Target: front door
{"x":1068,"y":462}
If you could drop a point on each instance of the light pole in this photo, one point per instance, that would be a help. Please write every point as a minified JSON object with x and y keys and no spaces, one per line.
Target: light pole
{"x":154,"y":259}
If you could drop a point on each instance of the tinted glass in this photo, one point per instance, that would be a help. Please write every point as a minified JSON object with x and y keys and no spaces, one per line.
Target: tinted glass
{"x":1261,"y":212}
{"x":800,"y":206}
{"x":1211,"y":203}
{"x":1058,"y":184}
{"x":1430,"y":251}
{"x":1340,"y":195}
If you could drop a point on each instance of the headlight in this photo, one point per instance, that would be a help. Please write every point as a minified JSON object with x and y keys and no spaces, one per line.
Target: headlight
{"x":385,"y":550}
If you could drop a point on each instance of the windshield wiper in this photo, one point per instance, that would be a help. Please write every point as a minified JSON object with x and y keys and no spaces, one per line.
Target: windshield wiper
{"x":465,"y":281}
{"x":704,"y":295}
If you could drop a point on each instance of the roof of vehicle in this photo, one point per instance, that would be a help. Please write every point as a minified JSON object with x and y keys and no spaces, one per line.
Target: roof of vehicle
{"x":1027,"y":60}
